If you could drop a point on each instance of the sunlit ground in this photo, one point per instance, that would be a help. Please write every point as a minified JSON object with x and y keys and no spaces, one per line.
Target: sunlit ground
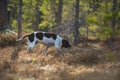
{"x":92,"y":62}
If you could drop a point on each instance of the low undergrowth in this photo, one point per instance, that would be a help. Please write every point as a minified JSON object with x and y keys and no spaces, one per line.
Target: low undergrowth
{"x":91,"y":62}
{"x":7,"y":40}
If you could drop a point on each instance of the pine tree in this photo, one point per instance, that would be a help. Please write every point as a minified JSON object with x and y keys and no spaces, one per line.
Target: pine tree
{"x":76,"y":28}
{"x":3,"y":15}
{"x":20,"y":19}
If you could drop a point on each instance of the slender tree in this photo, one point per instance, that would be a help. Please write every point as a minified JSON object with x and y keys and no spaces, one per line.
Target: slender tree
{"x":15,"y":52}
{"x":20,"y":19}
{"x":53,"y":6}
{"x":60,"y":5}
{"x":3,"y":14}
{"x":37,"y":16}
{"x":76,"y":28}
{"x":114,"y":8}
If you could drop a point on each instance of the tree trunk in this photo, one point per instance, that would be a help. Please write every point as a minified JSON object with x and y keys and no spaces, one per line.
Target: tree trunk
{"x":37,"y":17}
{"x":76,"y":28}
{"x":114,"y":8}
{"x":18,"y":48}
{"x":60,"y":5}
{"x":3,"y":14}
{"x":53,"y":6}
{"x":15,"y":53}
{"x":20,"y":19}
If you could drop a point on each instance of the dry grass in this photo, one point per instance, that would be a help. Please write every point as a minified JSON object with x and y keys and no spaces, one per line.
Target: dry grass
{"x":91,"y":62}
{"x":7,"y":40}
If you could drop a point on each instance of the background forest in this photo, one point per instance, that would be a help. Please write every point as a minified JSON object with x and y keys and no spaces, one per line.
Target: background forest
{"x":96,"y":17}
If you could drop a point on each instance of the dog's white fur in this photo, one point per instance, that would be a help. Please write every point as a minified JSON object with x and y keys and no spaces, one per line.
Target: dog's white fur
{"x":46,"y":41}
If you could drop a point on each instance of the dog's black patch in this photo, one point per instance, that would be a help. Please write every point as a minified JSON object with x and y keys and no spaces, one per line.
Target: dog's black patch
{"x":49,"y":35}
{"x":65,"y":44}
{"x":39,"y":35}
{"x":31,"y":37}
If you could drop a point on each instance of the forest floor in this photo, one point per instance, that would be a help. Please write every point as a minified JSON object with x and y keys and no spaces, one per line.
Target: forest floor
{"x":95,"y":61}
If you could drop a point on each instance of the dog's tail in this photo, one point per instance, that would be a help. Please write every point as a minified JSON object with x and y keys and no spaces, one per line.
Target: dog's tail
{"x":22,"y":38}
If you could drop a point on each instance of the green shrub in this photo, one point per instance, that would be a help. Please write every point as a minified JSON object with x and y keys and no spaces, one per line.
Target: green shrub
{"x":111,"y":57}
{"x":105,"y":33}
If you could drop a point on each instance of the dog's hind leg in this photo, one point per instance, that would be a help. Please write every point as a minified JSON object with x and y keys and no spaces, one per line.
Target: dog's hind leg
{"x":46,"y":50}
{"x":30,"y":47}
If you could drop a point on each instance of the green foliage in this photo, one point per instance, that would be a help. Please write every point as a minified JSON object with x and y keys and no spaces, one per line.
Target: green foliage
{"x":97,"y":16}
{"x":48,"y":17}
{"x":107,"y":16}
{"x":118,"y":31}
{"x":92,"y":20}
{"x":111,"y":57}
{"x":14,"y":23}
{"x":45,"y":24}
{"x":105,"y":33}
{"x":118,"y":15}
{"x":68,"y":11}
{"x":82,"y":30}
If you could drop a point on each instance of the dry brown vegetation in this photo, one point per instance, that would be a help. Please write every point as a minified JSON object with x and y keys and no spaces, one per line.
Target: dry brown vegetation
{"x":96,"y":61}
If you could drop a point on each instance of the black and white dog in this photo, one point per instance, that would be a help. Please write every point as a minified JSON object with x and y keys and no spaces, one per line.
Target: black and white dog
{"x":47,"y":39}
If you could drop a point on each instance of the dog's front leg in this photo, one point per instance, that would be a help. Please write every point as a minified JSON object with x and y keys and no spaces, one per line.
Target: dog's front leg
{"x":58,"y":47}
{"x":29,"y":50}
{"x":30,"y":47}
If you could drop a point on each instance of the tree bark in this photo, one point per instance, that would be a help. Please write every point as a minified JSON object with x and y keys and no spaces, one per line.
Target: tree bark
{"x":20,"y":19}
{"x":3,"y":14}
{"x":18,"y":48}
{"x":37,"y":17}
{"x":60,"y":5}
{"x":76,"y":28}
{"x":114,"y":8}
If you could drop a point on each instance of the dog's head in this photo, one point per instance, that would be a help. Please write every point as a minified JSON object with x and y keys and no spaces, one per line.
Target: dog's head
{"x":65,"y":44}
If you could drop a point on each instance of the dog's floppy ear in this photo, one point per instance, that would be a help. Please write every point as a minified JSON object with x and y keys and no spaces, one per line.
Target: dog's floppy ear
{"x":65,"y":44}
